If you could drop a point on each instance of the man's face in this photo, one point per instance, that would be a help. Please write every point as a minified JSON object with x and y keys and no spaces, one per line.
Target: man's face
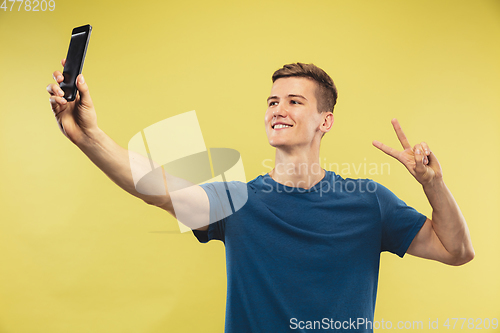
{"x":292,"y":119}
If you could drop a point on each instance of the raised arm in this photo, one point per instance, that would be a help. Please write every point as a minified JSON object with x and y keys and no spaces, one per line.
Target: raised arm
{"x":78,"y":122}
{"x":445,"y":237}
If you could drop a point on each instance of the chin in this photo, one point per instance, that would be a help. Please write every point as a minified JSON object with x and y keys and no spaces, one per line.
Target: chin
{"x":277,"y":144}
{"x":273,"y":144}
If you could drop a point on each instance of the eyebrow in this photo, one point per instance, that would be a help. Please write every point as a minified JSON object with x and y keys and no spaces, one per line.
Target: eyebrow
{"x":290,"y":95}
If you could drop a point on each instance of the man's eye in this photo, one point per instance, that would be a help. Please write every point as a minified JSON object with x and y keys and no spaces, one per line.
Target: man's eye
{"x":295,"y":102}
{"x":273,"y":103}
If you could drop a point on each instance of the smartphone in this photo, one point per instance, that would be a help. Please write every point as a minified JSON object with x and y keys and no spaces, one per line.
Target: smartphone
{"x":80,"y":37}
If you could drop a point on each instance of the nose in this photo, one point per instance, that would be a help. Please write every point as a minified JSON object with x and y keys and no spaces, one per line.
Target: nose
{"x":280,"y":110}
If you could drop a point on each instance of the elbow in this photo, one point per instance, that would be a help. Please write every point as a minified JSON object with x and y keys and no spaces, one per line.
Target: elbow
{"x":469,"y":256}
{"x":466,"y":257}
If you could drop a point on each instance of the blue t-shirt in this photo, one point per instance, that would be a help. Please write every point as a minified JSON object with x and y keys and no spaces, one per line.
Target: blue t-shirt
{"x":303,"y":259}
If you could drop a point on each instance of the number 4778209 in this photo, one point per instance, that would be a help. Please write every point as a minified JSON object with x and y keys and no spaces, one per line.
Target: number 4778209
{"x":29,"y":6}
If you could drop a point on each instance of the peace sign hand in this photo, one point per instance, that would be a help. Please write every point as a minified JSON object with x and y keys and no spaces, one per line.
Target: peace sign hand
{"x":419,"y":160}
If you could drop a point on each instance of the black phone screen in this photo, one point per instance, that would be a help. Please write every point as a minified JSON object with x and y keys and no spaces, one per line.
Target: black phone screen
{"x":74,"y":60}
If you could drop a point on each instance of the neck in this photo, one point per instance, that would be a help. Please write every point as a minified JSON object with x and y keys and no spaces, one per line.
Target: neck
{"x":297,"y":169}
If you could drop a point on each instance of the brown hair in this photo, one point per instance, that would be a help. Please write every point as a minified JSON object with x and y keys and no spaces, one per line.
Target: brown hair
{"x":326,"y":93}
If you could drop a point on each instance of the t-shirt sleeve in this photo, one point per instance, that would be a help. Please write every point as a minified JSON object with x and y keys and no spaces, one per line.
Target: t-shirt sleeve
{"x":219,"y":209}
{"x":400,"y":222}
{"x":214,"y":231}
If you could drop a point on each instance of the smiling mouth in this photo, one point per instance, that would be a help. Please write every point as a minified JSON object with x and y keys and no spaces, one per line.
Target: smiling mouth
{"x":279,"y":126}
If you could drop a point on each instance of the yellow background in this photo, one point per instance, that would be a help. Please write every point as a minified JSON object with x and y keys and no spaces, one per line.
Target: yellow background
{"x":78,"y":254}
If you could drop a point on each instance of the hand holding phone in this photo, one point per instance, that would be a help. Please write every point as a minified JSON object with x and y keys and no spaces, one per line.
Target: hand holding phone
{"x":77,"y":120}
{"x":80,"y":37}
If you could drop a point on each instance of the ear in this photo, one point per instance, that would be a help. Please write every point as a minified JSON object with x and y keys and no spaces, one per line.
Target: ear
{"x":327,"y":123}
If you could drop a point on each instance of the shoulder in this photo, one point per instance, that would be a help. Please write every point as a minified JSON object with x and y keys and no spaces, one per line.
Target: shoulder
{"x":261,"y":183}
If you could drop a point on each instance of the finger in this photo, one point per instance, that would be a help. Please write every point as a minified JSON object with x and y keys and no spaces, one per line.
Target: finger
{"x":419,"y":146}
{"x":433,"y":161}
{"x":399,"y":132}
{"x":425,"y":148}
{"x":63,"y":62}
{"x":58,"y":77}
{"x":58,"y":104}
{"x":426,"y":151}
{"x":419,"y":159}
{"x":84,"y":91}
{"x":386,"y":149}
{"x":54,"y":89}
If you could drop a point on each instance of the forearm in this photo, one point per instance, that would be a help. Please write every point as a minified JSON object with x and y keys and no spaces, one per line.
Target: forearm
{"x":115,"y":162}
{"x":448,"y":221}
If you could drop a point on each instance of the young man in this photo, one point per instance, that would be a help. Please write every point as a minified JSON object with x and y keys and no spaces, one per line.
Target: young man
{"x":303,"y":251}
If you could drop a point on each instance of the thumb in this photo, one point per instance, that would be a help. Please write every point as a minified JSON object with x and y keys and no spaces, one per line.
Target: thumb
{"x":82,"y":87}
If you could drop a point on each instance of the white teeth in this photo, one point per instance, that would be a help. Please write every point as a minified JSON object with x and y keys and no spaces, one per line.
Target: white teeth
{"x":281,"y":126}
